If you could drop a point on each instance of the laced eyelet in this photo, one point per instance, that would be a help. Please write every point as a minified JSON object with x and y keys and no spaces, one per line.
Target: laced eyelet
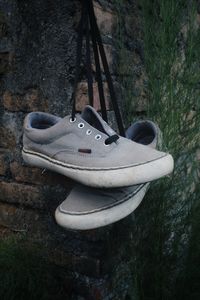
{"x":106,"y":144}
{"x":89,"y":131}
{"x":98,"y":137}
{"x":72,"y":120}
{"x":81,"y":125}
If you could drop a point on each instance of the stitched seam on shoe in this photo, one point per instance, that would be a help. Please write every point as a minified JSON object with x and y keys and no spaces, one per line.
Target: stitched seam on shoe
{"x":56,"y":162}
{"x":128,"y":197}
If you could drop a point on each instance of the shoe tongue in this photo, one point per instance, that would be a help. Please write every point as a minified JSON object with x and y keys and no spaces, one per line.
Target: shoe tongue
{"x":90,"y":115}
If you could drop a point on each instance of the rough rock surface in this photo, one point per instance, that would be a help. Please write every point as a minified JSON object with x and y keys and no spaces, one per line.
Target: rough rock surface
{"x":37,"y":64}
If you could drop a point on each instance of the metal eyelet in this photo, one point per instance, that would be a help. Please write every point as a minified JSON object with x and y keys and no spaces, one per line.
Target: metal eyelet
{"x":89,"y":131}
{"x":98,"y":137}
{"x":72,"y":120}
{"x":81,"y":125}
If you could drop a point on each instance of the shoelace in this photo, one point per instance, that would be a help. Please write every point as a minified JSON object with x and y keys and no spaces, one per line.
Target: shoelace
{"x":111,"y":139}
{"x":101,"y":52}
{"x":88,"y":24}
{"x":78,"y":59}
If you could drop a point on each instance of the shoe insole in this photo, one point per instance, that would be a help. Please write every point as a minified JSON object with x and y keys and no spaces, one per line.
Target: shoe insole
{"x":143,"y":139}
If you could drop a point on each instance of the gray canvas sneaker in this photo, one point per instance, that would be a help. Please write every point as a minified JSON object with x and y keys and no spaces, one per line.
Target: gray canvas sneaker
{"x":86,"y":149}
{"x":88,"y":208}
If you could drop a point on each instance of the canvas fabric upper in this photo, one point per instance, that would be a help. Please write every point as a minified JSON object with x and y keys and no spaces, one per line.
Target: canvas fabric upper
{"x":63,"y":140}
{"x":86,"y":200}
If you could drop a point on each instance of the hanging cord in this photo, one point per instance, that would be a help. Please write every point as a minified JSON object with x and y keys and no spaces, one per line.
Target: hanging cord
{"x":98,"y":49}
{"x":98,"y":73}
{"x":97,"y":37}
{"x":81,"y":32}
{"x":88,"y":63}
{"x":78,"y":58}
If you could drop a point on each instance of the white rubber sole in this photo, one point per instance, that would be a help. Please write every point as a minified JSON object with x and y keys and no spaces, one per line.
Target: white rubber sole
{"x":100,"y":218}
{"x":127,"y":176}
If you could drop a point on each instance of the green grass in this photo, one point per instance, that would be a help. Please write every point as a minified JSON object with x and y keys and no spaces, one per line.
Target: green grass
{"x":166,"y":246}
{"x":25,"y":275}
{"x":172,"y":66}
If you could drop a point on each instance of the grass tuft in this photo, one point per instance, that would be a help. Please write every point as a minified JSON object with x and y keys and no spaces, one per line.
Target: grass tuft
{"x":167,"y":224}
{"x":25,"y":275}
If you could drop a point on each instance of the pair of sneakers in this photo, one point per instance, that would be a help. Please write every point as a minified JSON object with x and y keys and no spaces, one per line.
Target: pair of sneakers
{"x":114,"y":171}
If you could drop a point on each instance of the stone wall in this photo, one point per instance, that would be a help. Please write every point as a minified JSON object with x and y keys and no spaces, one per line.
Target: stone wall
{"x":37,"y":47}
